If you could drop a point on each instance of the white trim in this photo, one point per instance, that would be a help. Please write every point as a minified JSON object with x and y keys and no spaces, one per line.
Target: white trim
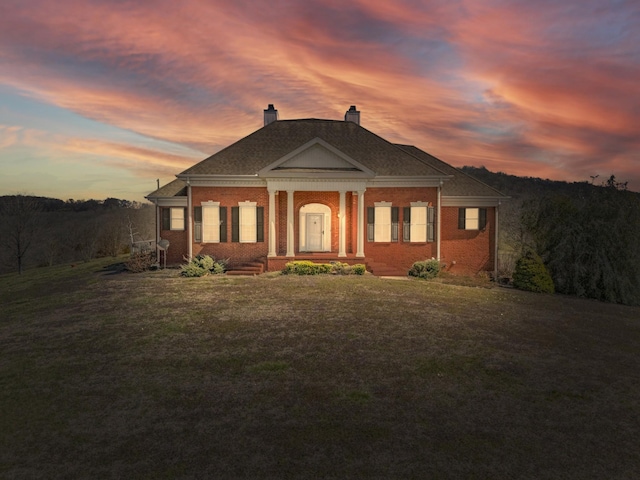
{"x":268,"y":170}
{"x":360,"y":227}
{"x":189,"y":222}
{"x":342,"y":225}
{"x":290,"y":225}
{"x":315,"y":185}
{"x":272,"y":224}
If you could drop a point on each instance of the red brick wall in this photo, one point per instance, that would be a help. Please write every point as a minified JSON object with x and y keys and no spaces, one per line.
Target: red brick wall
{"x":467,"y":251}
{"x":237,"y":253}
{"x":398,"y":254}
{"x":463,"y":251}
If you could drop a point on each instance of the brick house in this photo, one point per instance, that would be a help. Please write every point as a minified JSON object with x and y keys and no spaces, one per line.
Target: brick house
{"x":328,"y":190}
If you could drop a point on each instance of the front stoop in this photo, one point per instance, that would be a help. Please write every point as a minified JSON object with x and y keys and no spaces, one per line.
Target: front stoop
{"x":247,"y":269}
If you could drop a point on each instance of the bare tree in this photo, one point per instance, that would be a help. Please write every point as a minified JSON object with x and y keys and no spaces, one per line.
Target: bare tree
{"x":20,"y":226}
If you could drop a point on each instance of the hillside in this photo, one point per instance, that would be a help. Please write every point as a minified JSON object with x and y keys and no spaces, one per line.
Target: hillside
{"x":117,"y":375}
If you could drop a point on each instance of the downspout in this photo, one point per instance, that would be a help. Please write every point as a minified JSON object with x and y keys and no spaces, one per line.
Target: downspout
{"x":189,"y":222}
{"x":495,"y":260}
{"x":438,"y":221}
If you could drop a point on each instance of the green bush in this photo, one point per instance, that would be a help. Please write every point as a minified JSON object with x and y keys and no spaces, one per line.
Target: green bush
{"x":307,"y":267}
{"x":359,"y":269}
{"x":202,"y":265}
{"x":425,"y":269}
{"x":532,"y":275}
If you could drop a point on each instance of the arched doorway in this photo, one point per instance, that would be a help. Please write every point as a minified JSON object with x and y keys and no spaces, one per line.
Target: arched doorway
{"x":315,"y":228}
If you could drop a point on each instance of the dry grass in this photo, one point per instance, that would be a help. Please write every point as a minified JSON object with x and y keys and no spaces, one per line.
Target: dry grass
{"x":157,"y":376}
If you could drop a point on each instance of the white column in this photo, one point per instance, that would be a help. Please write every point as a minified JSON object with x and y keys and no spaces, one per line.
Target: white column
{"x":291,"y":251}
{"x":497,"y":244}
{"x":360,"y":229}
{"x":272,"y":224}
{"x":189,"y":223}
{"x":342,"y":234}
{"x":438,"y":223}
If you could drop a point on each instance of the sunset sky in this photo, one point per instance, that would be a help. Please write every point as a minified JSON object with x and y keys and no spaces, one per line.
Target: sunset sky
{"x":100,"y":98}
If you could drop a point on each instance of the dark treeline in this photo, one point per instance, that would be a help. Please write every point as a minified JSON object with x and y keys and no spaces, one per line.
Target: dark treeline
{"x":41,"y":231}
{"x":587,"y":233}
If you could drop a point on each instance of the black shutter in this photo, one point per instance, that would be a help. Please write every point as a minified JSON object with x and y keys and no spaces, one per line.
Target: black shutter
{"x":394,"y":223}
{"x":482,"y":221}
{"x":431,"y":220}
{"x":371,"y":220}
{"x":259,"y":224}
{"x":197,"y":219}
{"x":166,"y":219}
{"x":223,"y":224}
{"x":406,"y":224}
{"x":235,"y":224}
{"x":461,"y":218}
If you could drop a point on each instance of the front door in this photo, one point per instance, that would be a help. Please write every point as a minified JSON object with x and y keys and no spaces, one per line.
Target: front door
{"x":315,"y":232}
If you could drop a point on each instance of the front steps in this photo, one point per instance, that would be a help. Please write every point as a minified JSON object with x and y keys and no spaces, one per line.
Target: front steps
{"x":247,"y":269}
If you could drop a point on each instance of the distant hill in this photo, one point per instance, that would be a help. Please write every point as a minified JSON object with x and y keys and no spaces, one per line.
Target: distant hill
{"x":523,"y":187}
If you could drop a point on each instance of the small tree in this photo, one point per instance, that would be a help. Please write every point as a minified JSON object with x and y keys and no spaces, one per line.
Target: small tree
{"x":532,"y":275}
{"x":19,"y":214}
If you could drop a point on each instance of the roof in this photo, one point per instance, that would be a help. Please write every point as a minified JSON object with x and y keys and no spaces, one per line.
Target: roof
{"x":176,"y":188}
{"x":274,"y":141}
{"x":460,"y":184}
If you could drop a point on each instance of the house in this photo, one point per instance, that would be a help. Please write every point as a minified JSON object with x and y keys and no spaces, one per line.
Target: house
{"x":328,"y":190}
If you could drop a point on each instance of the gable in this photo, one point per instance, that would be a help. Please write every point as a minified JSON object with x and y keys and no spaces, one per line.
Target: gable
{"x":316,"y":156}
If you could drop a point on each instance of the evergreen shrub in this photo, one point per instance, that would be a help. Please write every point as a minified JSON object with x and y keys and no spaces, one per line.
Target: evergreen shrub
{"x":202,"y":265}
{"x":532,"y":275}
{"x":426,"y":269}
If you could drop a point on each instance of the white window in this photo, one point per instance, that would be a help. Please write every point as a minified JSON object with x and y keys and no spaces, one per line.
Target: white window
{"x":382,"y":229}
{"x":418,"y":228}
{"x":472,"y":218}
{"x":177,"y":219}
{"x":247,"y":220}
{"x":211,"y":222}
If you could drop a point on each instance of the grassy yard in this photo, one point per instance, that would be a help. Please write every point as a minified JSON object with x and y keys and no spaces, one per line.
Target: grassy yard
{"x":274,"y":377}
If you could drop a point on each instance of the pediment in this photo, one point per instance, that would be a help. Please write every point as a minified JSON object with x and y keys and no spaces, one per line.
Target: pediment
{"x":317,"y":157}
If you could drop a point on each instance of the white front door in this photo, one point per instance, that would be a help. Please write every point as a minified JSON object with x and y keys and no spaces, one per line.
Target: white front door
{"x":315,"y":232}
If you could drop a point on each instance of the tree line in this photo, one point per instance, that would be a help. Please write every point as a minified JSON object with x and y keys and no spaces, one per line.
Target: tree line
{"x":587,"y":234}
{"x":42,"y":231}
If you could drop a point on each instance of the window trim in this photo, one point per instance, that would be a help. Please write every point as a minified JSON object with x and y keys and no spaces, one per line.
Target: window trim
{"x":173,"y":219}
{"x":463,"y":218}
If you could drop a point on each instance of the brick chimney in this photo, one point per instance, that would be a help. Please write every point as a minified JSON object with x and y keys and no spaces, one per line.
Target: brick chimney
{"x":352,"y":115}
{"x":270,"y":114}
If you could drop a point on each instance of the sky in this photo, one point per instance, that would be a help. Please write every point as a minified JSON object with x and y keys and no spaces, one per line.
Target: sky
{"x":100,"y":98}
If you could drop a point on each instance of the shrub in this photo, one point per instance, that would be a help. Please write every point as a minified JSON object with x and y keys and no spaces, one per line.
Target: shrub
{"x":140,"y":262}
{"x":532,"y":275}
{"x":202,"y":265}
{"x":306,"y":267}
{"x":425,"y":269}
{"x":359,"y":269}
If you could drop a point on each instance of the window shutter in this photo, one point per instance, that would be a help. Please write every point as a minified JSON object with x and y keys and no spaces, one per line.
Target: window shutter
{"x":371,"y":220}
{"x":259,"y":224}
{"x":461,"y":218}
{"x":223,"y":224}
{"x":482,"y":221}
{"x":394,"y":223}
{"x":431,"y":217}
{"x":235,"y":224}
{"x":197,"y":219}
{"x":166,"y":218}
{"x":406,"y":224}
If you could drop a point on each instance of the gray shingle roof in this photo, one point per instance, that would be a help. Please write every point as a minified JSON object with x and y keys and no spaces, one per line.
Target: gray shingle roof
{"x":176,"y":188}
{"x":269,"y":144}
{"x":461,"y":184}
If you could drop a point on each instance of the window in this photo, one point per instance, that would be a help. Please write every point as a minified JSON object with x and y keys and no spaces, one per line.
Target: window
{"x":418,"y":223}
{"x":247,"y":223}
{"x":382,"y":223}
{"x":210,"y":222}
{"x":472,"y":218}
{"x":173,"y":218}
